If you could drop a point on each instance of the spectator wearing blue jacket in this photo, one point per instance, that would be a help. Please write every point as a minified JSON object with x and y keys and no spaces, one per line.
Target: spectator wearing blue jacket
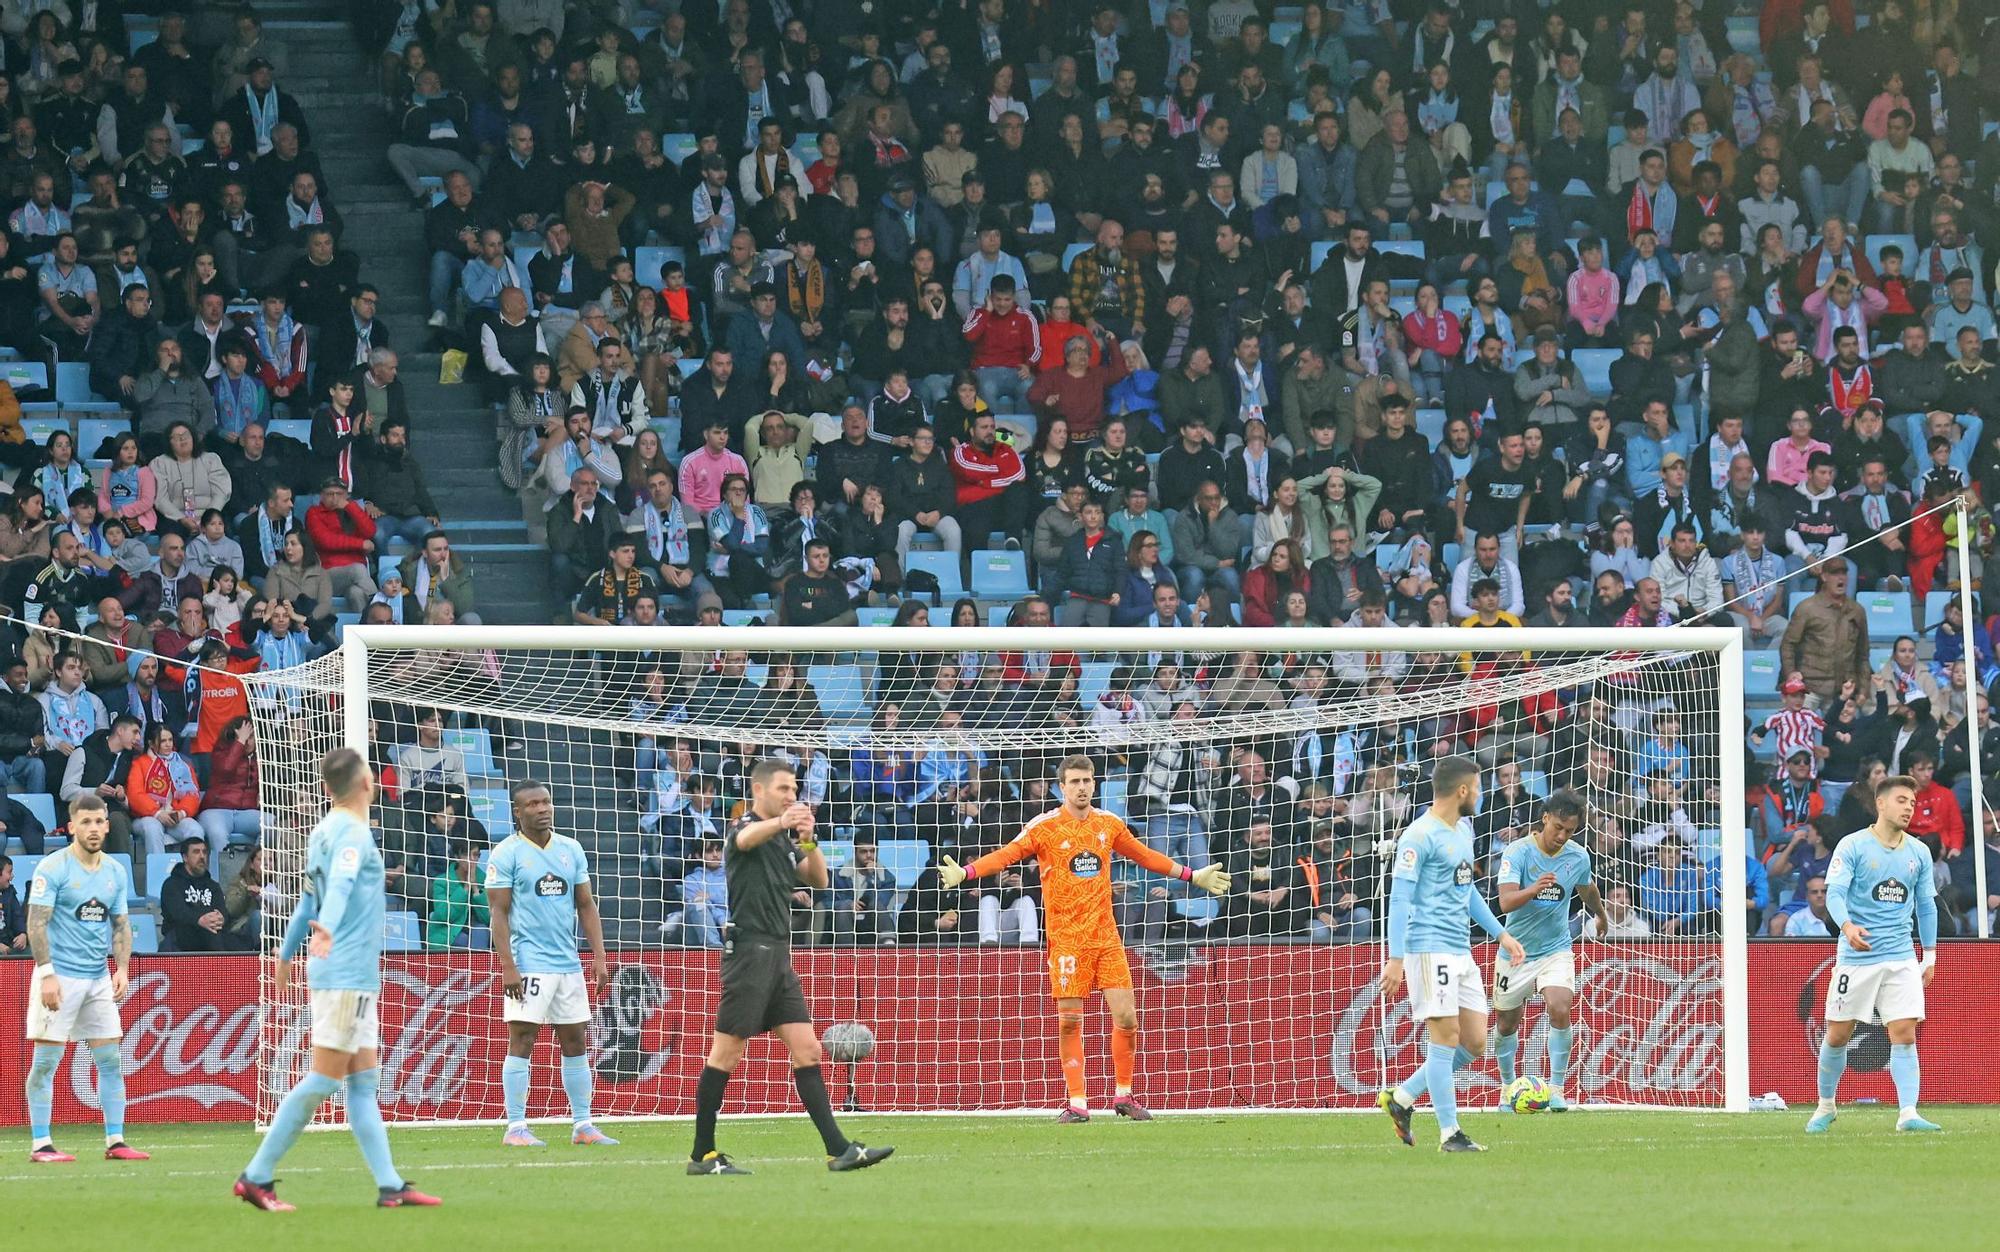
{"x":1678,"y":894}
{"x":1093,"y":570}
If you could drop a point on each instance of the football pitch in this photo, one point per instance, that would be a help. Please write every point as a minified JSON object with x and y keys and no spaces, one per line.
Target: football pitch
{"x":1580,"y":1180}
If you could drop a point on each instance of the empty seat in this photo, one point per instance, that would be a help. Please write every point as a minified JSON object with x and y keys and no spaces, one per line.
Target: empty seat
{"x":1762,"y":671}
{"x":401,"y":932}
{"x":43,"y":806}
{"x":842,"y":691}
{"x":145,"y":933}
{"x":647,"y":262}
{"x":477,"y":746}
{"x":905,"y":859}
{"x":1888,"y":615}
{"x":999,"y":573}
{"x":1594,"y":365}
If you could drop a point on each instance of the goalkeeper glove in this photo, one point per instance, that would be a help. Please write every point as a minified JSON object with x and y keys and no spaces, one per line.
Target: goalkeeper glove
{"x":1212,"y":878}
{"x":950,"y":874}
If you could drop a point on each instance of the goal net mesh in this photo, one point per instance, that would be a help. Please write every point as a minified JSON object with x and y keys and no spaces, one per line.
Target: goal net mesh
{"x":1296,"y":769}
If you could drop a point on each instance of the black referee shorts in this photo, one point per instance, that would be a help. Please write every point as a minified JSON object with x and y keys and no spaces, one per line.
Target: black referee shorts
{"x":760,"y":989}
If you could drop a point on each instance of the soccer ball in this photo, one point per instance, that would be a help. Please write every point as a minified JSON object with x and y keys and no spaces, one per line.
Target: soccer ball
{"x":1526,"y":1095}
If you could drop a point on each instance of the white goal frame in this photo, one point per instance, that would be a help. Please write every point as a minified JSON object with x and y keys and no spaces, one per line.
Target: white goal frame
{"x":1724,"y":643}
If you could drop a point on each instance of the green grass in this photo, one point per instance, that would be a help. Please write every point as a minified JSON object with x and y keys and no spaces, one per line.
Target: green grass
{"x":1584,"y":1180}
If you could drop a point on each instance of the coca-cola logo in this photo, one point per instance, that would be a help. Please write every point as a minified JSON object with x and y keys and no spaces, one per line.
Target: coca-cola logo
{"x":1645,"y":1027}
{"x":425,"y":1062}
{"x":199,"y":1051}
{"x":624,"y":1031}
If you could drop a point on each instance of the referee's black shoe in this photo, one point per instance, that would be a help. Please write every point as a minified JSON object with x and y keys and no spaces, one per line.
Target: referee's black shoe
{"x":857,"y":1156}
{"x":714,"y":1163}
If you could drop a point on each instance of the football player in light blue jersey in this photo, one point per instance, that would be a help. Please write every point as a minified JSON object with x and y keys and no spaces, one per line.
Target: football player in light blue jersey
{"x":538,"y":888}
{"x":77,"y":918}
{"x":1538,"y":874}
{"x":1432,"y":904}
{"x":342,"y":909}
{"x":1879,"y":880}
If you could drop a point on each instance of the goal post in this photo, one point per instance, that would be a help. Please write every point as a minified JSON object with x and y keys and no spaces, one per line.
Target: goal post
{"x":1297,"y":755}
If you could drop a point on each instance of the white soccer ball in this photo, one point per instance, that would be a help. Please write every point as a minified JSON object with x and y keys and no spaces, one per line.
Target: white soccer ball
{"x":848,"y":1041}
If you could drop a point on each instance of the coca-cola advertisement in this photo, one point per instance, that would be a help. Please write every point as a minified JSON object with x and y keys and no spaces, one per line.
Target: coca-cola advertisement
{"x":1232,"y":1027}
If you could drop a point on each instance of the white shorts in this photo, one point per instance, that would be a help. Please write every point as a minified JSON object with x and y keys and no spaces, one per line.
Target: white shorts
{"x":1443,"y":984}
{"x":345,"y":1020}
{"x":549,"y":1000}
{"x":1890,"y":991}
{"x":1514,"y":985}
{"x":87,"y":1012}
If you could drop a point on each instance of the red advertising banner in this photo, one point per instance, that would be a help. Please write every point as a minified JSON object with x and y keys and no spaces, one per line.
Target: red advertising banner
{"x":1233,"y":1027}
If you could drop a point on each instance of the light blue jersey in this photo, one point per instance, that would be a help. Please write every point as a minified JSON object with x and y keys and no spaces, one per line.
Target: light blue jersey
{"x":1436,"y":860}
{"x":1882,"y":891}
{"x":1542,"y":924}
{"x":344,"y":874}
{"x":544,"y":882}
{"x":82,"y":903}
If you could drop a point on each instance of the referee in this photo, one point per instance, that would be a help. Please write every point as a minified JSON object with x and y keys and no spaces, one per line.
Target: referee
{"x":760,"y":990}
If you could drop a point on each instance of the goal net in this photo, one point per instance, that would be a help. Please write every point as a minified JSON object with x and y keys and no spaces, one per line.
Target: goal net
{"x":1294,"y":757}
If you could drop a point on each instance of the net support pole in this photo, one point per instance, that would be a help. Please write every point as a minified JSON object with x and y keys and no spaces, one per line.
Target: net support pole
{"x":1735,"y":880}
{"x":354,"y":689}
{"x":1975,"y":834}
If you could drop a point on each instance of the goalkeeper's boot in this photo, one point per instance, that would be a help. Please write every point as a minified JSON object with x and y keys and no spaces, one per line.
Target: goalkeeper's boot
{"x":714,"y":1163}
{"x":1071,"y":1114}
{"x":123,"y":1151}
{"x":858,"y":1156}
{"x":404,"y":1197}
{"x":50,"y":1154}
{"x":1126,"y":1106}
{"x":1399,"y":1113}
{"x":1503,"y":1107}
{"x":262,"y":1195}
{"x":590,"y":1135}
{"x":520,"y":1137}
{"x":1821,"y":1122}
{"x":1556,"y":1102}
{"x":1918,"y":1125}
{"x":1458,"y":1141}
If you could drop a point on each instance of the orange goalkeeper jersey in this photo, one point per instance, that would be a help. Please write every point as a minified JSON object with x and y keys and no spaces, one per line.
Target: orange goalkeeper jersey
{"x":1074,"y":856}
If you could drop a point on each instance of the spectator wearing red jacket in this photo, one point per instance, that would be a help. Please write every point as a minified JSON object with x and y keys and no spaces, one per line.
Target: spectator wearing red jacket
{"x":1938,"y":820}
{"x":343,"y":535}
{"x":1006,"y":343}
{"x":993,"y":492}
{"x":162,"y":794}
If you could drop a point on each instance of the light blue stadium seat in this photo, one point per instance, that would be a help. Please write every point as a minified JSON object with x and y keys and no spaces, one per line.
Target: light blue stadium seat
{"x":24,"y":873}
{"x":999,"y":574}
{"x":843,"y":693}
{"x":134,"y":892}
{"x":1456,"y":303}
{"x":1204,"y":909}
{"x":73,"y":391}
{"x":523,"y":254}
{"x":1074,"y":251}
{"x":43,"y":806}
{"x":677,"y":147}
{"x":145,"y":933}
{"x":1536,"y":783}
{"x":1797,"y":597}
{"x":1430,"y":424}
{"x":402,"y":932}
{"x":1320,"y":251}
{"x":740,"y":617}
{"x":646,"y":263}
{"x":996,"y":615}
{"x":157,"y":869}
{"x":1762,"y":672}
{"x":905,"y":858}
{"x":1452,"y":554}
{"x":1284,"y":30}
{"x":944,"y":567}
{"x":1934,"y":606}
{"x":1888,"y":615}
{"x":1093,"y":681}
{"x":298,"y":428}
{"x":838,"y":852}
{"x":477,"y":745}
{"x":91,"y":433}
{"x":1402,"y":247}
{"x":1111,"y":797}
{"x":875,"y":616}
{"x":1594,"y":364}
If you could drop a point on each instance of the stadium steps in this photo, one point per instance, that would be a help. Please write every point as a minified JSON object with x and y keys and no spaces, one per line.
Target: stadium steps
{"x":452,"y":431}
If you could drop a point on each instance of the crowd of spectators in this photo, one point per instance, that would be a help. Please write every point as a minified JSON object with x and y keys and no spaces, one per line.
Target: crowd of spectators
{"x":1408,"y":314}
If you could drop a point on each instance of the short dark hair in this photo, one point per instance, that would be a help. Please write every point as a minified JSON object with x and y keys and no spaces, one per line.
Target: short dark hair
{"x":1451,"y":773}
{"x":770,"y":767}
{"x":1564,"y":805}
{"x":340,"y":769}
{"x":1074,"y":763}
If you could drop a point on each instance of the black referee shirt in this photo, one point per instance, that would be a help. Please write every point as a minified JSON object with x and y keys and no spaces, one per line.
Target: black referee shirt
{"x":761,"y":882}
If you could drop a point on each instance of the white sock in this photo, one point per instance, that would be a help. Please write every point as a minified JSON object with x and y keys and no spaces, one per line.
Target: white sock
{"x":1907,"y":1115}
{"x":1826,"y":1106}
{"x":112,"y":1141}
{"x":44,"y":1142}
{"x":1081,"y":1106}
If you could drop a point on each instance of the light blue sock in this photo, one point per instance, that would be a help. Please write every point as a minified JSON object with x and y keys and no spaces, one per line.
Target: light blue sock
{"x":298,"y":1107}
{"x":1412,"y":1089}
{"x":1832,"y":1064}
{"x":576,"y":1080}
{"x":514,"y":1088}
{"x":1559,"y":1041}
{"x":1439,"y":1064}
{"x":110,"y":1090}
{"x":1461,"y":1059}
{"x":42,"y":1088}
{"x":364,"y":1118}
{"x":1505,"y":1049}
{"x":1904,"y":1069}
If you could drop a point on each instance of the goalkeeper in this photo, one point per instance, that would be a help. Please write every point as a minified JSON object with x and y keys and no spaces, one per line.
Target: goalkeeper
{"x":1073,"y":846}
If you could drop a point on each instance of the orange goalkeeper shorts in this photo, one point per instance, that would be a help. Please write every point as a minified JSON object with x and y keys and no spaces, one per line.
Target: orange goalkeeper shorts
{"x":1076,"y":972}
